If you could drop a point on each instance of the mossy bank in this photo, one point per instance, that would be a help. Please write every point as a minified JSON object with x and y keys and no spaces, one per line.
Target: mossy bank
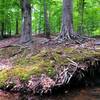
{"x":48,"y":61}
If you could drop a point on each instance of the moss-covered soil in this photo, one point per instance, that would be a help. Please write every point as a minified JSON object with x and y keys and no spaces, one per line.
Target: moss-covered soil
{"x":48,"y":61}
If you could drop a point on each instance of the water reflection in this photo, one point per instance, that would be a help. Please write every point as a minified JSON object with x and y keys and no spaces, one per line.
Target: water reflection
{"x":82,"y":94}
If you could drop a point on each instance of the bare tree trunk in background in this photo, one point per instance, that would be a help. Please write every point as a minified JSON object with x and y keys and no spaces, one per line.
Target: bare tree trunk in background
{"x":2,"y":30}
{"x":10,"y":29}
{"x":17,"y":32}
{"x":39,"y":26}
{"x":67,"y":27}
{"x":40,"y":23}
{"x":46,"y":21}
{"x":26,"y":35}
{"x":81,"y":16}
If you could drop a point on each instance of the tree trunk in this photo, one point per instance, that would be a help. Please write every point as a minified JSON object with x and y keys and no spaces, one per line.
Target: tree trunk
{"x":26,"y":35}
{"x":67,"y":23}
{"x":17,"y":32}
{"x":81,"y":16}
{"x":2,"y":30}
{"x":39,"y":26}
{"x":10,"y":30}
{"x":46,"y":21}
{"x":40,"y":23}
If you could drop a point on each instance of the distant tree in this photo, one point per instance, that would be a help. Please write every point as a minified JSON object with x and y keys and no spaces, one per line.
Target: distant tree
{"x":40,"y":16}
{"x":81,"y":4}
{"x":26,"y":35}
{"x":2,"y":30}
{"x":10,"y":31}
{"x":2,"y":18}
{"x":46,"y":21}
{"x":17,"y":31}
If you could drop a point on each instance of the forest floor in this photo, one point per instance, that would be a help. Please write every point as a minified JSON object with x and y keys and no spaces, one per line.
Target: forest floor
{"x":49,"y":61}
{"x":38,"y":43}
{"x":7,"y":43}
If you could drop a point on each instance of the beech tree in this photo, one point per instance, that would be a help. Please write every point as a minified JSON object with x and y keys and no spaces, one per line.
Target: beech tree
{"x":67,"y":33}
{"x":26,"y":35}
{"x":46,"y":21}
{"x":67,"y":27}
{"x":86,"y":18}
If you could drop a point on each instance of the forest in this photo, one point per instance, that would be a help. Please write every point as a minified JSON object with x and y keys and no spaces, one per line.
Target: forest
{"x":86,"y":17}
{"x":48,"y":46}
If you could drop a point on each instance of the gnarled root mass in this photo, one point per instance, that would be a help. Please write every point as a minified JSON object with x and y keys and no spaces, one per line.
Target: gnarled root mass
{"x":72,"y":38}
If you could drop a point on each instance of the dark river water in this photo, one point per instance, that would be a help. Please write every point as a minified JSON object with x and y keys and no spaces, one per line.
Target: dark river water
{"x":80,"y":94}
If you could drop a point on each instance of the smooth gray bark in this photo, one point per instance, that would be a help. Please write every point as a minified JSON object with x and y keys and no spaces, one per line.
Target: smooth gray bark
{"x":26,"y":35}
{"x":67,"y":23}
{"x":46,"y":21}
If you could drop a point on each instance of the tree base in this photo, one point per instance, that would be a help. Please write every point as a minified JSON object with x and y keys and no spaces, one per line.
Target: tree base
{"x":73,"y":38}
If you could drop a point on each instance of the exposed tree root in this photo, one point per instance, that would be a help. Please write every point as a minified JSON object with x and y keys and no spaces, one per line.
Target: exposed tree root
{"x":73,"y":38}
{"x":74,"y":70}
{"x":67,"y":73}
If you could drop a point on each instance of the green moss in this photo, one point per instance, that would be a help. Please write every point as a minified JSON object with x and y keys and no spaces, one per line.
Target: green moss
{"x":45,"y":62}
{"x":25,"y":72}
{"x":4,"y":75}
{"x":50,"y":71}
